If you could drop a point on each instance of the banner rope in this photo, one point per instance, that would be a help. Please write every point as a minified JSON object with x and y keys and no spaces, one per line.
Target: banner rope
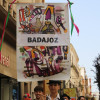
{"x":72,"y":20}
{"x":5,"y":25}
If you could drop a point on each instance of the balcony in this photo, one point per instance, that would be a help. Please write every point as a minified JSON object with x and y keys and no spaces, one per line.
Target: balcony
{"x":75,"y":69}
{"x":5,"y":5}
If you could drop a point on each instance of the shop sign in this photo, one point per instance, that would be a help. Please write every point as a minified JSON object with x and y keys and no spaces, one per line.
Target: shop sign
{"x":5,"y":61}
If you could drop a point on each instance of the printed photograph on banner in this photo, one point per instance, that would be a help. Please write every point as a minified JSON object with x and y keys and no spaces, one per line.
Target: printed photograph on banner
{"x":42,"y":18}
{"x":43,"y":62}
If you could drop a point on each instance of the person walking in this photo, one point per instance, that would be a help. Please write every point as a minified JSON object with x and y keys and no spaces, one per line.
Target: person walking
{"x":81,"y":98}
{"x":65,"y":97}
{"x":38,"y":91}
{"x":54,"y":86}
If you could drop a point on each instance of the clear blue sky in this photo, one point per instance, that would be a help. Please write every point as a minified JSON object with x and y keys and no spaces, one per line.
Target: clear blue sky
{"x":86,"y":15}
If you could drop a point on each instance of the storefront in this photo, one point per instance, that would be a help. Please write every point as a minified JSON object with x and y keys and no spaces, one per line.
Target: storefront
{"x":8,"y":88}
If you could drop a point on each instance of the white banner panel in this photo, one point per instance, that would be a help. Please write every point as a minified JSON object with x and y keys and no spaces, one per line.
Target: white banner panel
{"x":41,"y":39}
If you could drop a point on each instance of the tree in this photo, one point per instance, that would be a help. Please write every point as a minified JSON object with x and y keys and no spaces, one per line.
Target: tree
{"x":97,"y":72}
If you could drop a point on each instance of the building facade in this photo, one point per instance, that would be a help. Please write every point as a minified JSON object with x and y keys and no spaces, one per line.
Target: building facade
{"x":9,"y":87}
{"x":8,"y":73}
{"x":75,"y":72}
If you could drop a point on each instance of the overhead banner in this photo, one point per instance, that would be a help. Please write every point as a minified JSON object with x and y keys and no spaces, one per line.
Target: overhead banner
{"x":43,"y":42}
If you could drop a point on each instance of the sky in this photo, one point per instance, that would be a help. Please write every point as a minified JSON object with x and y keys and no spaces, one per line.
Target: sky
{"x":86,"y":15}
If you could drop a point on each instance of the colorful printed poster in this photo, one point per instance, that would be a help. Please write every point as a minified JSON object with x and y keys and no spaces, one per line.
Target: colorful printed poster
{"x":42,"y":24}
{"x":70,"y":92}
{"x":43,"y":43}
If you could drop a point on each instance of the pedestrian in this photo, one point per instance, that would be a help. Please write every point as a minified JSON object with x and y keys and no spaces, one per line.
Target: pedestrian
{"x":54,"y":86}
{"x":38,"y":90}
{"x":81,"y":98}
{"x":93,"y":98}
{"x":65,"y":97}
